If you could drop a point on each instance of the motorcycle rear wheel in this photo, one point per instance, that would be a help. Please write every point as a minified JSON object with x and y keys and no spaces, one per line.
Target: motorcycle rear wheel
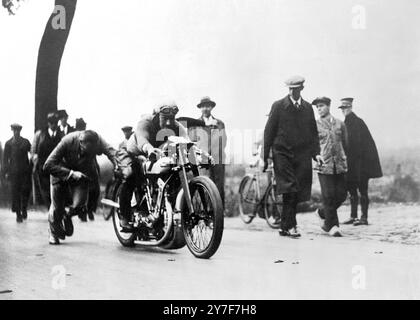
{"x":126,"y":239}
{"x":203,"y":231}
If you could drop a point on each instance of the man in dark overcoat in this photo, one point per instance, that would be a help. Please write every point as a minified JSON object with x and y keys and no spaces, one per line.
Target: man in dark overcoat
{"x":17,"y":169}
{"x":292,"y":134}
{"x":363,"y":162}
{"x":45,"y":141}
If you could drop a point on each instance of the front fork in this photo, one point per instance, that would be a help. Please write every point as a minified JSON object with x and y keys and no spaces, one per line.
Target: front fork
{"x":186,"y":188}
{"x":184,"y":179}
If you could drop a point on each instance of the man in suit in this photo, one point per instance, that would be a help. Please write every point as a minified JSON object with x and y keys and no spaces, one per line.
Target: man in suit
{"x":213,"y":140}
{"x":128,"y":131}
{"x":291,"y":133}
{"x":44,"y":143}
{"x":72,"y":166}
{"x":17,"y":170}
{"x":80,"y":124}
{"x":363,"y":162}
{"x":63,"y":118}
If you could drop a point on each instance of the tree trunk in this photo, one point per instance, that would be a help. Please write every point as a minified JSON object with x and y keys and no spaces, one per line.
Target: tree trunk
{"x":49,"y":59}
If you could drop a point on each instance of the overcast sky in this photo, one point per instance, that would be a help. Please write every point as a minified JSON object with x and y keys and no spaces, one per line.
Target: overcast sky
{"x":124,"y":57}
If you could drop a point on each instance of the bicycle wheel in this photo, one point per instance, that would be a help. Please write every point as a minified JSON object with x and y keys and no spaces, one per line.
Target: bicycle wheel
{"x":248,"y":199}
{"x":272,"y":208}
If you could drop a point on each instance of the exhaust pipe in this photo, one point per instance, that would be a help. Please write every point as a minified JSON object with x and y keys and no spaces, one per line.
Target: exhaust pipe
{"x":110,"y":203}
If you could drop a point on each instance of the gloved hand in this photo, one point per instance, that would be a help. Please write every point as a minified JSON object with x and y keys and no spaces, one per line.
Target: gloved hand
{"x":77,"y":175}
{"x":154,"y":154}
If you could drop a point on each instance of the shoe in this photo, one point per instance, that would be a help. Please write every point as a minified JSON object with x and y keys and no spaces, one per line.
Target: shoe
{"x":91,"y":216}
{"x":19,"y":218}
{"x":68,"y":226}
{"x":284,"y":233}
{"x":57,"y":230}
{"x":294,"y":232}
{"x":361,"y":222}
{"x":125,"y":225}
{"x":83,"y":217}
{"x":349,"y":221}
{"x":24,"y":214}
{"x":53,"y":240}
{"x":335,"y":232}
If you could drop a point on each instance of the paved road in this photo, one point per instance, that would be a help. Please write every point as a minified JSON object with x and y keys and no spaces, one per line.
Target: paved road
{"x":97,"y":267}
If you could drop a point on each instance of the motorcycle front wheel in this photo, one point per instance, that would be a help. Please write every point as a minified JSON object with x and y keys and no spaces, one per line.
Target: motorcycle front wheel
{"x":203,"y":230}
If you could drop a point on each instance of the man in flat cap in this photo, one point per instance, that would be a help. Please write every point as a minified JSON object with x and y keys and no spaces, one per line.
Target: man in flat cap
{"x":63,"y":118}
{"x":291,"y":133}
{"x":72,"y":166}
{"x":151,"y":132}
{"x":332,"y":174}
{"x":128,"y":132}
{"x":45,"y":141}
{"x":80,"y":124}
{"x":212,"y":139}
{"x":17,"y":169}
{"x":363,"y":162}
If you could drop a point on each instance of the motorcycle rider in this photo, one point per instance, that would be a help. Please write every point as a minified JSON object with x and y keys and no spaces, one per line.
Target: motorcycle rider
{"x":151,"y":132}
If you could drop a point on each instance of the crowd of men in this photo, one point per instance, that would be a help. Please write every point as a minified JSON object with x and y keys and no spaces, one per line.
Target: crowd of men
{"x":345,"y":154}
{"x":61,"y":167}
{"x":23,"y":162}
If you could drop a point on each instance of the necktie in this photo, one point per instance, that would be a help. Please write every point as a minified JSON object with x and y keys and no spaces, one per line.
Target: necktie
{"x":297,"y":105}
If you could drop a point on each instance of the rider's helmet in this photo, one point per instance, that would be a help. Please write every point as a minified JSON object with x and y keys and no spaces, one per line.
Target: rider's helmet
{"x":166,"y":114}
{"x":169,"y":108}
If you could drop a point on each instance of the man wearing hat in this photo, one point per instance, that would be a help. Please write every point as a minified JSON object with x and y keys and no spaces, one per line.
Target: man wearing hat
{"x":291,"y":133}
{"x":63,"y":118}
{"x":128,"y":131}
{"x":72,"y":166}
{"x":212,"y":139}
{"x":151,"y":132}
{"x":44,"y":143}
{"x":80,"y":124}
{"x":332,"y":174}
{"x":363,"y":162}
{"x":17,"y":169}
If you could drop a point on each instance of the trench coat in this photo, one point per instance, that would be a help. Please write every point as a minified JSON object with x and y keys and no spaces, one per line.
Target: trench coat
{"x":362,"y":154}
{"x":292,"y":136}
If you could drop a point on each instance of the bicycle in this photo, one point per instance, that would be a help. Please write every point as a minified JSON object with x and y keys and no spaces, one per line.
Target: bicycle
{"x":251,"y":203}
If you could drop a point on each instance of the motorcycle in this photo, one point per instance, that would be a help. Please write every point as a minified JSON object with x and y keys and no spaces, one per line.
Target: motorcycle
{"x":176,"y":206}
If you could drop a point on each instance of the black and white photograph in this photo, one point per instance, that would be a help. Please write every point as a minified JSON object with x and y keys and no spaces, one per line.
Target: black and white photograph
{"x":223,"y":151}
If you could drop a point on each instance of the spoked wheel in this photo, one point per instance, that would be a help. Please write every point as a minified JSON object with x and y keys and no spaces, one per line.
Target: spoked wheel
{"x":272,"y":208}
{"x":248,"y":199}
{"x":203,"y":230}
{"x":125,"y":238}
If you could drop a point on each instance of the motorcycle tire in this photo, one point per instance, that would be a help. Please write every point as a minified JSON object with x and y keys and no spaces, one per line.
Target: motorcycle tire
{"x":204,"y":184}
{"x":126,"y":239}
